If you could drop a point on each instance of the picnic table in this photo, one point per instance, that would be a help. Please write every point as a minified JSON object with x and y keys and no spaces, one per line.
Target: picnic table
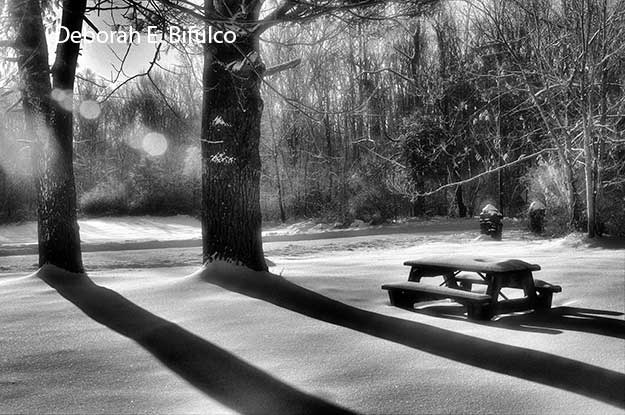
{"x":461,"y":273}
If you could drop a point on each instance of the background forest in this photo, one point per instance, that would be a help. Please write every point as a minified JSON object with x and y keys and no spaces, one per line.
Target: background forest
{"x":475,"y":102}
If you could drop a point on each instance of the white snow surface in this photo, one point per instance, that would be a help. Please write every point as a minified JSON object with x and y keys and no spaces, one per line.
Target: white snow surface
{"x":128,"y":229}
{"x":55,"y":359}
{"x":149,"y":228}
{"x":114,"y":229}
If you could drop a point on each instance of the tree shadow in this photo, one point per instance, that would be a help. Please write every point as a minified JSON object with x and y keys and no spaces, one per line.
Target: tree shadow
{"x":552,"y":321}
{"x":216,"y":372}
{"x":548,"y":369}
{"x":608,"y":242}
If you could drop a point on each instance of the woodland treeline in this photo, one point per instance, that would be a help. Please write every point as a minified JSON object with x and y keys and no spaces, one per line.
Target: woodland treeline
{"x":375,"y":116}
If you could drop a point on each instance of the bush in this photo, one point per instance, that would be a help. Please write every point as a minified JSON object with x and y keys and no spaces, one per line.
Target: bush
{"x":159,"y":188}
{"x":376,"y":205}
{"x":105,"y":198}
{"x":18,"y":198}
{"x":163,"y":196}
{"x":546,"y":184}
{"x":613,"y":219}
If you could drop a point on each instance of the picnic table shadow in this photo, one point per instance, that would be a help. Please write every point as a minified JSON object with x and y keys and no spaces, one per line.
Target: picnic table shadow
{"x":545,"y":368}
{"x":553,"y":321}
{"x":213,"y":370}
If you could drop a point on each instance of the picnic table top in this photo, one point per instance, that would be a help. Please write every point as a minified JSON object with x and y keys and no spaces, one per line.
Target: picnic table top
{"x":472,"y":263}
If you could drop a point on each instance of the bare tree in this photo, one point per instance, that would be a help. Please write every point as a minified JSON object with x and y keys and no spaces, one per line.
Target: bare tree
{"x":566,"y":58}
{"x":48,"y":109}
{"x":232,"y":108}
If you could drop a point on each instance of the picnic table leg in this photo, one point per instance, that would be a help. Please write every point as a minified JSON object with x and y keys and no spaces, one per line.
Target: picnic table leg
{"x":466,"y":285}
{"x":402,"y":299}
{"x":415,"y":274}
{"x":520,"y":280}
{"x":479,"y":311}
{"x":540,"y":298}
{"x":529,"y":289}
{"x":493,"y":289}
{"x":451,"y":282}
{"x":543,"y":300}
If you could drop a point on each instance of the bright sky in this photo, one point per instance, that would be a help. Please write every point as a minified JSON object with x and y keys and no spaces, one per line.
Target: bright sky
{"x":104,"y":59}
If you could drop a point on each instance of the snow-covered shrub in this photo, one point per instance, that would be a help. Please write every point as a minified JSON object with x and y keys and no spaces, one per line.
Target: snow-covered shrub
{"x":546,"y":183}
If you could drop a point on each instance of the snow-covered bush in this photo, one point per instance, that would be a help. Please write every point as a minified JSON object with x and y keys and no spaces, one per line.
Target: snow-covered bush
{"x":546,"y":184}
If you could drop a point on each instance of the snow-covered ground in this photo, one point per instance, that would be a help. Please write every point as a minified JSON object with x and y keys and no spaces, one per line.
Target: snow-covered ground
{"x":55,"y":358}
{"x":153,"y":228}
{"x":136,"y":229}
{"x":113,"y":229}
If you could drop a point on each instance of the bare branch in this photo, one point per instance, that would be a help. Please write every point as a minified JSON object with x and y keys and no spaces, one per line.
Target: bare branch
{"x":393,"y":71}
{"x":476,"y":177}
{"x":282,"y":67}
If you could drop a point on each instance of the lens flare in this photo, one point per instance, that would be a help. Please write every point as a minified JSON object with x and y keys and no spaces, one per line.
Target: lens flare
{"x":64,"y":97}
{"x":90,"y":109}
{"x":155,"y":144}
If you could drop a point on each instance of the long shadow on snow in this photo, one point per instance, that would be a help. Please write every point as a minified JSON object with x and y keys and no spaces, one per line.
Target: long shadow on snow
{"x":214,"y":371}
{"x":554,"y":321}
{"x":552,"y":370}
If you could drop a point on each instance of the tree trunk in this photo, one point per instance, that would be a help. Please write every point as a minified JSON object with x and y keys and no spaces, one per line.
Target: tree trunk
{"x":462,"y":209}
{"x":601,"y":145}
{"x":51,"y":127}
{"x":569,"y":178}
{"x":279,"y":180}
{"x":589,"y":165}
{"x":231,"y":114}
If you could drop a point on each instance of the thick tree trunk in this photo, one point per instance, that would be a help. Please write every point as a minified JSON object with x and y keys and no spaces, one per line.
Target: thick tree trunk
{"x":231,"y":114}
{"x":51,"y":127}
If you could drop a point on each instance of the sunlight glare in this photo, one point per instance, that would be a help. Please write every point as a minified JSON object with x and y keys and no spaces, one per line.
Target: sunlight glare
{"x":155,"y":144}
{"x":64,"y":98}
{"x":90,"y":109}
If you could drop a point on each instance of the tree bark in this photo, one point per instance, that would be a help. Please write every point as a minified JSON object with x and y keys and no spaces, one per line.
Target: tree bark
{"x":50,"y":124}
{"x":586,"y":85}
{"x":231,"y":115}
{"x":589,"y":164}
{"x":279,"y":182}
{"x":462,"y":209}
{"x":571,"y":195}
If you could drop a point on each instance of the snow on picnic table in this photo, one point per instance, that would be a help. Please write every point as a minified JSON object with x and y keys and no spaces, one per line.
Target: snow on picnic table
{"x":55,"y":359}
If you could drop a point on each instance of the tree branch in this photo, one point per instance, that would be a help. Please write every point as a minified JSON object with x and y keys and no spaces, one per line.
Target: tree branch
{"x":282,"y":67}
{"x":469,"y":180}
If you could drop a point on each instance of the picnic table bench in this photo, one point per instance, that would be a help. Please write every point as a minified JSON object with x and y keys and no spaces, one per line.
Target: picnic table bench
{"x":457,"y":285}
